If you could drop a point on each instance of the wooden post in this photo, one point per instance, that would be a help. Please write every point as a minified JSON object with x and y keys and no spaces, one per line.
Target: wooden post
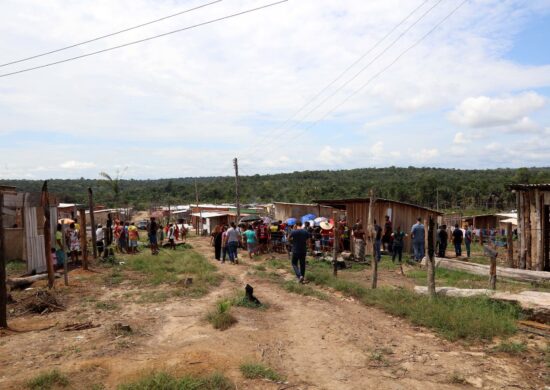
{"x":510,"y":246}
{"x":237,"y":189}
{"x":431,"y":257}
{"x":3,"y":292}
{"x":539,"y":253}
{"x":493,"y":268}
{"x":335,"y":246}
{"x":92,"y":223}
{"x":370,"y":235}
{"x":45,"y":201}
{"x":522,"y":232}
{"x":83,"y":238}
{"x":527,"y":213}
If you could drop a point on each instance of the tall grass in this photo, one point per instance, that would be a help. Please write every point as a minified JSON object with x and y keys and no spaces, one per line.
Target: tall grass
{"x":164,"y":381}
{"x":477,"y":318}
{"x":259,"y":371}
{"x":220,"y":317}
{"x":48,"y":380}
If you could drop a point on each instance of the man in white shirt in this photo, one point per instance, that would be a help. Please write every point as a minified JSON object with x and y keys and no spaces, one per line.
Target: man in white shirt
{"x":99,"y":239}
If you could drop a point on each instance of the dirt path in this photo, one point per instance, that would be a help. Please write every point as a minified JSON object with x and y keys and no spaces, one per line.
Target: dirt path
{"x":334,"y":344}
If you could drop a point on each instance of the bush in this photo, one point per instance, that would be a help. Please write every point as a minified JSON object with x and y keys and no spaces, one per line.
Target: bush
{"x":220,"y":318}
{"x":48,"y":380}
{"x":259,"y":371}
{"x":510,"y":347}
{"x":242,"y":301}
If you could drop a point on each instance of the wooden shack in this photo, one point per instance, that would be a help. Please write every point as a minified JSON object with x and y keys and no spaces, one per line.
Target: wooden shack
{"x":401,"y":214}
{"x":282,"y":210}
{"x":533,"y":205}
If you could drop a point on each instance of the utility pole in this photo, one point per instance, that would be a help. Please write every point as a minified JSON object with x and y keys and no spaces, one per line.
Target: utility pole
{"x":45,"y":202}
{"x":3,"y":293}
{"x":92,"y":223}
{"x":237,"y":196}
{"x":336,"y":242}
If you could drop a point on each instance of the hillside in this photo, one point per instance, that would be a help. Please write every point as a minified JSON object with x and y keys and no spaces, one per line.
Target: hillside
{"x":450,"y":188}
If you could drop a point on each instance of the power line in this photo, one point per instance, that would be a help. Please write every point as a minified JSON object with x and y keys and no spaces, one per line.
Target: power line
{"x":313,"y":124}
{"x":110,"y":35}
{"x":146,"y":39}
{"x":320,"y":93}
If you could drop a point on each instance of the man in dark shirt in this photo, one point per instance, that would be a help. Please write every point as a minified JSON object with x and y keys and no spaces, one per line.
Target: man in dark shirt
{"x":299,"y":238}
{"x":443,"y":237}
{"x":153,"y":227}
{"x":377,"y":241}
{"x":457,"y":240}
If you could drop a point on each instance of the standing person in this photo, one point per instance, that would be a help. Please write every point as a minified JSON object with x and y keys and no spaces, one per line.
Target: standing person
{"x":387,"y":237}
{"x":225,"y":251}
{"x":153,"y":228}
{"x":59,"y":251}
{"x":116,"y":235}
{"x":418,"y":236}
{"x":468,"y":240}
{"x":160,"y":236}
{"x":359,"y":242}
{"x":377,"y":241}
{"x":251,"y":241}
{"x":73,"y":242}
{"x":457,"y":240}
{"x":123,"y":236}
{"x":216,"y":242}
{"x":443,"y":238}
{"x":398,"y":242}
{"x":133,"y":237}
{"x":263,"y":235}
{"x":109,"y":227}
{"x":299,"y":238}
{"x":171,"y":236}
{"x":233,"y":238}
{"x":99,"y":239}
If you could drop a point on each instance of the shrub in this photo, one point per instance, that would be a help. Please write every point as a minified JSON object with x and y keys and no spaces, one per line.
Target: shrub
{"x":220,"y":318}
{"x":47,"y":380}
{"x":259,"y":371}
{"x":164,"y":381}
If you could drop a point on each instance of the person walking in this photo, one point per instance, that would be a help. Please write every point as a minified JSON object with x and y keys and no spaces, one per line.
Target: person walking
{"x":100,"y":239}
{"x":377,"y":242}
{"x":133,"y":238}
{"x":457,"y":240}
{"x":359,"y":242}
{"x":443,"y":238}
{"x":153,"y":242}
{"x":251,"y":241}
{"x":59,"y":251}
{"x":73,"y":242}
{"x":225,"y":251}
{"x":418,"y":235}
{"x":216,"y":242}
{"x":171,"y":236}
{"x":232,"y":243}
{"x":299,"y":239}
{"x":468,"y":240}
{"x":398,"y":238}
{"x":388,"y":234}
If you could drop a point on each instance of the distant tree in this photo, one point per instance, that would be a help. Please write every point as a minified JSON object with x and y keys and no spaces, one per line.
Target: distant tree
{"x":114,"y":183}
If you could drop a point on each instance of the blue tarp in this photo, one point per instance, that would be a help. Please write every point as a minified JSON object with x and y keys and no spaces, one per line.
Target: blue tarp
{"x":308,"y":217}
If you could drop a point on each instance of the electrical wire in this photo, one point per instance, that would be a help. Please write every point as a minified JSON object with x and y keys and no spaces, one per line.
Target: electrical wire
{"x":111,"y":34}
{"x":342,"y":74}
{"x":146,"y":39}
{"x":409,"y":48}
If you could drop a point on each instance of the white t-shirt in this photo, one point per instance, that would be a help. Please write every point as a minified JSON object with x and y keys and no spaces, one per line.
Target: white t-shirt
{"x":232,"y":235}
{"x":99,"y":235}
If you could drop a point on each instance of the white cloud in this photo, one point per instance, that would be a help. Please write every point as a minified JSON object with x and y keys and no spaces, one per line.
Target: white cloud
{"x":484,"y":111}
{"x":460,"y":139}
{"x":73,"y":164}
{"x":332,"y":156}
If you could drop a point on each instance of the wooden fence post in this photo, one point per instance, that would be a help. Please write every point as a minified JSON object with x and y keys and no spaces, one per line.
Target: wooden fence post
{"x":493,"y":268}
{"x":45,"y":201}
{"x":83,"y":238}
{"x":335,"y":245}
{"x":92,"y":222}
{"x":431,"y":257}
{"x":370,"y":235}
{"x":510,"y":246}
{"x":3,"y":292}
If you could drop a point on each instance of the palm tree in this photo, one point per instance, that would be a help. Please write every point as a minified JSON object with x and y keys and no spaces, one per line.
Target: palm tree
{"x":114,"y":183}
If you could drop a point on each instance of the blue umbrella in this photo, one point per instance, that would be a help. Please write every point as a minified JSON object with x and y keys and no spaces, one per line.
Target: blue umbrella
{"x":308,"y":217}
{"x":291,"y":221}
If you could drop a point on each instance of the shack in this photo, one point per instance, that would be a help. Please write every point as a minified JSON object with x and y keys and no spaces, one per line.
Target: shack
{"x":487,"y":221}
{"x":401,"y":214}
{"x":282,"y":211}
{"x":533,"y":204}
{"x":23,"y":226}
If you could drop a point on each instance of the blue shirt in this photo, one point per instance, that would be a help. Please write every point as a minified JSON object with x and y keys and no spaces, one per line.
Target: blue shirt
{"x":417,"y":232}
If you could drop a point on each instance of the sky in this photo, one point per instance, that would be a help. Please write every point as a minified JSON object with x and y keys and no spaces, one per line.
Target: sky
{"x":303,"y":85}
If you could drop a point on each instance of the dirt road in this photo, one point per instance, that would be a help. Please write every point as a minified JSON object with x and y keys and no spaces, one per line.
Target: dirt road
{"x":315,"y":344}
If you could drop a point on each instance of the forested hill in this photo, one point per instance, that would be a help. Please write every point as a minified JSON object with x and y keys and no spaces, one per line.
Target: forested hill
{"x":454,"y":189}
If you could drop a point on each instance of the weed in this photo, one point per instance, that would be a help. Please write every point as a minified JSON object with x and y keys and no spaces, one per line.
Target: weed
{"x":259,"y":371}
{"x":16,"y":267}
{"x":114,"y":278}
{"x":259,"y":267}
{"x":47,"y":380}
{"x":457,"y":378}
{"x":163,"y":381}
{"x":242,"y":301}
{"x":510,"y":347}
{"x":220,"y":318}
{"x":153,"y":297}
{"x":303,"y":289}
{"x":106,"y":305}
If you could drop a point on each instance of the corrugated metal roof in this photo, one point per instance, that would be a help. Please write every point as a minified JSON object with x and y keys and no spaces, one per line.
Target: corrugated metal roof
{"x":355,"y":200}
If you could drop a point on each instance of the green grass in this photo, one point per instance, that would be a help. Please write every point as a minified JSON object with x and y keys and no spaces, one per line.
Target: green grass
{"x":164,"y":381}
{"x":303,"y":289}
{"x":16,"y":267}
{"x":220,"y":317}
{"x":510,"y":347}
{"x":48,"y":380}
{"x":153,"y":297}
{"x":454,"y":318}
{"x":241,"y":300}
{"x":106,"y":305}
{"x":259,"y":371}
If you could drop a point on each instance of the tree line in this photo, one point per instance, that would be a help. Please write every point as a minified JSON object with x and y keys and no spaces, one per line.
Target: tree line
{"x":446,"y":189}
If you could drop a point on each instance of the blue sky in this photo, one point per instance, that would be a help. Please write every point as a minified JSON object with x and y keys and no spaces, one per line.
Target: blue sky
{"x":474,"y":94}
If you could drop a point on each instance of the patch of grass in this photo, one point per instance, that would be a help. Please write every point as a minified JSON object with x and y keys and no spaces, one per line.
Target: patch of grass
{"x":47,"y":380}
{"x":303,"y":289}
{"x":278,"y":263}
{"x":242,"y":301}
{"x":272,"y":276}
{"x":220,"y":318}
{"x":510,"y":347}
{"x":259,"y":371}
{"x":164,"y":381}
{"x":106,"y":305}
{"x":457,"y":378}
{"x":114,"y":278}
{"x":477,"y":318}
{"x":16,"y":267}
{"x":153,"y":297}
{"x":259,"y":267}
